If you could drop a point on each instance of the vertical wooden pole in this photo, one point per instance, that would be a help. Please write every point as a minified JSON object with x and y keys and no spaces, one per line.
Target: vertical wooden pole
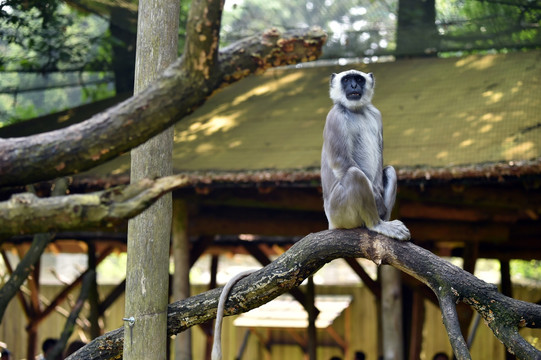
{"x":208,"y":326}
{"x":505,"y":271}
{"x":417,"y":321}
{"x":93,"y":296}
{"x":311,"y":308}
{"x":149,"y":234}
{"x":181,"y":278}
{"x":391,"y":313}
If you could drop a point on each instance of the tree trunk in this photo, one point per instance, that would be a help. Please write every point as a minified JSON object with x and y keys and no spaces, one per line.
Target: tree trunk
{"x":147,"y":286}
{"x":416,"y":33}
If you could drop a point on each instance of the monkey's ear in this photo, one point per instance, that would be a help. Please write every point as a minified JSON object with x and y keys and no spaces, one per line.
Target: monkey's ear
{"x":333,"y":75}
{"x":373,"y":80}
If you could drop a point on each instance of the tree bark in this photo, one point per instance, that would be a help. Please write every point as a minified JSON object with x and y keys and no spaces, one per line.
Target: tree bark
{"x":177,"y":93}
{"x":149,"y":233}
{"x":25,"y":213}
{"x":451,"y":284}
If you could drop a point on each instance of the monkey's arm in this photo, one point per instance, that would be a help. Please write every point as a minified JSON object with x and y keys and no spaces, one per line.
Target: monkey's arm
{"x":335,"y":148}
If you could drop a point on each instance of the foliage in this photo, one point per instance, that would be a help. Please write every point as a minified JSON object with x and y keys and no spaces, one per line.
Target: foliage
{"x":42,"y":43}
{"x":469,"y":25}
{"x":49,"y":36}
{"x":365,"y":28}
{"x":360,"y":28}
{"x":529,"y":270}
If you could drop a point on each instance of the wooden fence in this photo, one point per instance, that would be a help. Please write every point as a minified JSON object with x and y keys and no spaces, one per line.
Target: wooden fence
{"x":358,"y":325}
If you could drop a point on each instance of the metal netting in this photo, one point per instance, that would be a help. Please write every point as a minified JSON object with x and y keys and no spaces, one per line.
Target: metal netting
{"x":366,"y":28}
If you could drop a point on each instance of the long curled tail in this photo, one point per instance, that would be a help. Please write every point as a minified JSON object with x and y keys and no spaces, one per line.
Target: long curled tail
{"x":216,"y":353}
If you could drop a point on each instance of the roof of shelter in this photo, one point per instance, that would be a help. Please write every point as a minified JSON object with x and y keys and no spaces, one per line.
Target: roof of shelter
{"x":437,"y":113}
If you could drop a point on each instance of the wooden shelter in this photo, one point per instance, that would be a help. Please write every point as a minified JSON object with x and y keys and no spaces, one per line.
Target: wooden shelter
{"x":463,"y":133}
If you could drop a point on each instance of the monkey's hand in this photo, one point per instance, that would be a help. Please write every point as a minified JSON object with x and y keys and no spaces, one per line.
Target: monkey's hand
{"x":394,"y":229}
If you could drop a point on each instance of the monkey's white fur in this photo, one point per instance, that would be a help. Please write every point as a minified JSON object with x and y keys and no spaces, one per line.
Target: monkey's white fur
{"x":337,"y":94}
{"x":357,"y":190}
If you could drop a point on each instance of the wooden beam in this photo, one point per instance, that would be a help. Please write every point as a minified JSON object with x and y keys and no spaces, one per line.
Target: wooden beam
{"x":67,"y":289}
{"x":373,"y":286}
{"x":419,"y":210}
{"x":234,"y":221}
{"x":199,"y":248}
{"x":471,"y":254}
{"x":20,"y":296}
{"x":417,"y":321}
{"x":506,"y":284}
{"x":112,"y":297}
{"x":456,"y":231}
{"x":342,"y":343}
{"x":291,"y":198}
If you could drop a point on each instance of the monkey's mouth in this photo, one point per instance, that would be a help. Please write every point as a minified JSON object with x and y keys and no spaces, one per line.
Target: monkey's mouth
{"x":354,"y":96}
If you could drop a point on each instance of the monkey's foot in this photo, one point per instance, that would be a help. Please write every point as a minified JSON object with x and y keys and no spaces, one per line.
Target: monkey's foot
{"x":394,"y":229}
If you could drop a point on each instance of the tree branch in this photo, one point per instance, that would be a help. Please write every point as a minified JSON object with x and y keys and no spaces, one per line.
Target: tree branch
{"x":312,"y":252}
{"x":177,"y":93}
{"x":25,"y":213}
{"x":203,"y":37}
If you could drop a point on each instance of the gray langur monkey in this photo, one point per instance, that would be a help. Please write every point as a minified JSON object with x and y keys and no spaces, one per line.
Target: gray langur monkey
{"x":357,"y":190}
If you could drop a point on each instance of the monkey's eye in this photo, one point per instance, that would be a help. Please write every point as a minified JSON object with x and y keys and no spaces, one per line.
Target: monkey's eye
{"x":357,"y":80}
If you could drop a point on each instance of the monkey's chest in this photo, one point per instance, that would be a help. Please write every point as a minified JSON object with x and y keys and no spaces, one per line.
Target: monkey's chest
{"x":365,"y":152}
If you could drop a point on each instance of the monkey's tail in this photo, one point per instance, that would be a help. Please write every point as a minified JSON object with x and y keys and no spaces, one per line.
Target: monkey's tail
{"x":216,"y":353}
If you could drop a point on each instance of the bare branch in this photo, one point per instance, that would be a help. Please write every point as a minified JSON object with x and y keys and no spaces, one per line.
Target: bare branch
{"x":311,"y":253}
{"x":177,"y":93}
{"x":27,"y":214}
{"x":450,"y":319}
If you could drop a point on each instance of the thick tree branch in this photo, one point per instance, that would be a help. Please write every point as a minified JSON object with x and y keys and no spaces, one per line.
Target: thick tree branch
{"x":311,"y":253}
{"x":203,"y":37}
{"x":27,"y":214}
{"x":177,"y":93}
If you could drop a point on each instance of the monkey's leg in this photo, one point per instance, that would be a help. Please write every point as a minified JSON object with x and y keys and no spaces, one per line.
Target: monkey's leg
{"x":389,"y":190}
{"x":395,"y":229}
{"x":363,"y":192}
{"x":351,"y":202}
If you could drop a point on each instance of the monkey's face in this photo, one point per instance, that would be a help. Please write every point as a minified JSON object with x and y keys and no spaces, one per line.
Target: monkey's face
{"x":353,"y":89}
{"x":353,"y":86}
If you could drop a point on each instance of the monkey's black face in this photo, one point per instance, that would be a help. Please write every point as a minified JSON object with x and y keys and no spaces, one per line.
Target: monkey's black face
{"x":353,"y":86}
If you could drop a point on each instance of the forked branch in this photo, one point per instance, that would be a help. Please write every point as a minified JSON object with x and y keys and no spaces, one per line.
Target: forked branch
{"x":504,"y":315}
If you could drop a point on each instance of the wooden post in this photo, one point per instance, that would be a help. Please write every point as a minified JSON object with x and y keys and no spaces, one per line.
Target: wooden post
{"x":181,"y":277}
{"x":391,"y":313}
{"x":312,"y":333}
{"x":417,"y":321}
{"x":149,"y":234}
{"x":93,"y":295}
